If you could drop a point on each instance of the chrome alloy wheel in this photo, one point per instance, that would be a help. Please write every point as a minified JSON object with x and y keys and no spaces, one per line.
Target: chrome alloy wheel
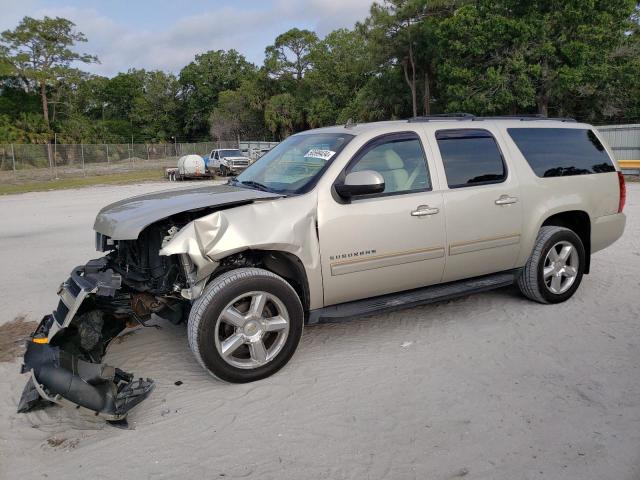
{"x":251,"y":330}
{"x":561,"y":267}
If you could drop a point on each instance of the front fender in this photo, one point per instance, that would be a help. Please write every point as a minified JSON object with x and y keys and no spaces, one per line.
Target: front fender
{"x":286,"y":225}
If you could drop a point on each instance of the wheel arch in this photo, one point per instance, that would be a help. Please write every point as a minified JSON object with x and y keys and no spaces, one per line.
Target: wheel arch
{"x":580,"y":223}
{"x":283,"y":264}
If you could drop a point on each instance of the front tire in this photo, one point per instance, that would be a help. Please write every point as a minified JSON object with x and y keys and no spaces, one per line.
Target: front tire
{"x":246,"y":325}
{"x":555,"y":268}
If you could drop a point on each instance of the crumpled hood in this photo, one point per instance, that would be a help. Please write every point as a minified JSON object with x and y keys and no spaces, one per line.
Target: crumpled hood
{"x":124,"y":220}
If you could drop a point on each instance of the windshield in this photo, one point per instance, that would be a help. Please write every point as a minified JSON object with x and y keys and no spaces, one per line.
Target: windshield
{"x":230,"y":153}
{"x":295,"y":165}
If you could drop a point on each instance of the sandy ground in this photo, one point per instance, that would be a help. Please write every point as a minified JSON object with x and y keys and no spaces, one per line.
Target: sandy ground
{"x":485,"y":387}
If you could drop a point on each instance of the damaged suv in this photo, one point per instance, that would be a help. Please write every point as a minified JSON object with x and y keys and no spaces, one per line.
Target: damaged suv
{"x":332,"y":223}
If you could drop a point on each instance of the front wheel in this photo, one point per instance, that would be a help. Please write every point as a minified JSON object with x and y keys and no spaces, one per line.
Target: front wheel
{"x":555,"y":268}
{"x":246,"y":325}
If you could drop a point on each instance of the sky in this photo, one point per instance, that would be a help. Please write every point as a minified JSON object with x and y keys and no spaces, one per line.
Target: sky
{"x":168,"y":34}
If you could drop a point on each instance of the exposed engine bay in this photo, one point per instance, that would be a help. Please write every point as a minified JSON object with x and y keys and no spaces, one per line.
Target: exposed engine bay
{"x":97,"y":302}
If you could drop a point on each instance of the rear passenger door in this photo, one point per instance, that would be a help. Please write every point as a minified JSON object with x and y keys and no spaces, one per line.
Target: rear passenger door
{"x":483,"y":212}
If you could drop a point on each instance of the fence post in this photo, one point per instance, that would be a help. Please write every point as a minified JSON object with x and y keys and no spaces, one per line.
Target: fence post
{"x":82,"y":155}
{"x":55,"y":152}
{"x":13,"y":157}
{"x":107,"y":145}
{"x":49,"y":155}
{"x":147,"y":145}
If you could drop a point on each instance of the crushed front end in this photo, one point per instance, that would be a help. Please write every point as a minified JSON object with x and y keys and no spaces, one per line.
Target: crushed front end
{"x":120,"y":290}
{"x":96,"y":303}
{"x":64,"y":354}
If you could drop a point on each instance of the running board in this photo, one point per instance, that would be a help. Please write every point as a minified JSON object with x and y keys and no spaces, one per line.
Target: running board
{"x":411,"y":298}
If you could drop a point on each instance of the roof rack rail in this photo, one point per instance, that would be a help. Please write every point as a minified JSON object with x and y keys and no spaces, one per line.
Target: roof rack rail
{"x":443,"y":116}
{"x":473,"y":118}
{"x":530,"y":117}
{"x":350,"y":123}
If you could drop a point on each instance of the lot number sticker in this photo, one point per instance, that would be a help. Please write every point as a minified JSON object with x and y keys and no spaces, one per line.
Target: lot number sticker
{"x":322,"y":154}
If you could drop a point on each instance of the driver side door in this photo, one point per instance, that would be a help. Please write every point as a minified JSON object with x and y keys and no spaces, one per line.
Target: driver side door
{"x":387,"y":242}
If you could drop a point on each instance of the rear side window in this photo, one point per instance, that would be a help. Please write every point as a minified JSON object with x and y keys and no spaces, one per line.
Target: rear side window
{"x":558,"y":152}
{"x":470,"y":157}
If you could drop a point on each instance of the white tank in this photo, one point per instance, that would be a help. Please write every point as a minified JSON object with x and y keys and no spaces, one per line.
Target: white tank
{"x":191,"y":166}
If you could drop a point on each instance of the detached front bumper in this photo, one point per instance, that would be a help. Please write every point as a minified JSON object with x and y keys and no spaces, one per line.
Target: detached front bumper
{"x":96,"y":388}
{"x":64,"y":367}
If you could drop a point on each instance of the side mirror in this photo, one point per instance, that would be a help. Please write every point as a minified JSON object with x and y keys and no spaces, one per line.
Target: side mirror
{"x":365,"y":182}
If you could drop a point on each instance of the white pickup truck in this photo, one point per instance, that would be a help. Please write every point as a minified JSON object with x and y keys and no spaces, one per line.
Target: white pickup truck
{"x":228,"y":161}
{"x":332,"y":223}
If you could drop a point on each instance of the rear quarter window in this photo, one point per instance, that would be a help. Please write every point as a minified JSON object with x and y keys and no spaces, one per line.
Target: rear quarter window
{"x":559,"y":152}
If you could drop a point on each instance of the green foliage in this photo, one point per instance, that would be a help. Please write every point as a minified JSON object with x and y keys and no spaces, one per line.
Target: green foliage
{"x":24,"y":128}
{"x":153,"y":112}
{"x":282,"y":115}
{"x":544,"y":56}
{"x":15,"y":100}
{"x":203,"y":80}
{"x":120,"y":92}
{"x":39,"y":52}
{"x":576,"y":58}
{"x":238,"y":114}
{"x":290,"y":55}
{"x":342,"y":65}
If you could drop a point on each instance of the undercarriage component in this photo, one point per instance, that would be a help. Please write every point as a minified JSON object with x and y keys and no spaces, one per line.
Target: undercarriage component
{"x":64,"y":355}
{"x":65,"y":379}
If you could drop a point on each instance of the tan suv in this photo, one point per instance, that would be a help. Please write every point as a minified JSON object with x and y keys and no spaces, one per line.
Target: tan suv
{"x":332,"y":223}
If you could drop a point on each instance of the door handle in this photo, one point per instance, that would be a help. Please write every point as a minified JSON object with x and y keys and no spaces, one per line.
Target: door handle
{"x":506,"y":200}
{"x":424,"y":210}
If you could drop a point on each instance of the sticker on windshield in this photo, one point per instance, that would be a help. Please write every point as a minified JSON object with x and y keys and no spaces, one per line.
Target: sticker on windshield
{"x":317,"y":153}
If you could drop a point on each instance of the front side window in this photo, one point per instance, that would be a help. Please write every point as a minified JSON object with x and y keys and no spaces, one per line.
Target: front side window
{"x":470,"y":157}
{"x":400,"y":159}
{"x":558,"y":152}
{"x":296,"y":164}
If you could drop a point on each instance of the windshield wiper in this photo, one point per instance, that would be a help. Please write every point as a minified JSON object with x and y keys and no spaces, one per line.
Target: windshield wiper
{"x":256,"y":185}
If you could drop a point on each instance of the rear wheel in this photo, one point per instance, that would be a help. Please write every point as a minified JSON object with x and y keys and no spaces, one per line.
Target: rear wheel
{"x":555,"y":268}
{"x":246,"y":325}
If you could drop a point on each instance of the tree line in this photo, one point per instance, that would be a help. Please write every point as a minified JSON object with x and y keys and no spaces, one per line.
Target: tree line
{"x":578,"y":58}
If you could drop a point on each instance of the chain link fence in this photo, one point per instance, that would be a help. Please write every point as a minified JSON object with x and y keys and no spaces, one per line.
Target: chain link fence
{"x":26,"y":162}
{"x":46,"y":161}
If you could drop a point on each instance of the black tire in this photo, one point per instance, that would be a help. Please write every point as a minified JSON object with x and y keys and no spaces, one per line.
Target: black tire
{"x":223,"y":171}
{"x":208,"y":308}
{"x":531,"y":281}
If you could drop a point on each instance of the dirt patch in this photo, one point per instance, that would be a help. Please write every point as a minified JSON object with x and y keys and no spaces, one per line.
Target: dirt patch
{"x":13,"y":335}
{"x":55,"y":441}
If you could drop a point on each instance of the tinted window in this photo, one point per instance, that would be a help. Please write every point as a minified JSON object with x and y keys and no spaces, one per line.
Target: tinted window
{"x":470,"y":157}
{"x":399,"y":159}
{"x":556,"y":152}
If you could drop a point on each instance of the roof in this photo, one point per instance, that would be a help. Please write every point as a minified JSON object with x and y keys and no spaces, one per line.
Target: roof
{"x":447,"y":121}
